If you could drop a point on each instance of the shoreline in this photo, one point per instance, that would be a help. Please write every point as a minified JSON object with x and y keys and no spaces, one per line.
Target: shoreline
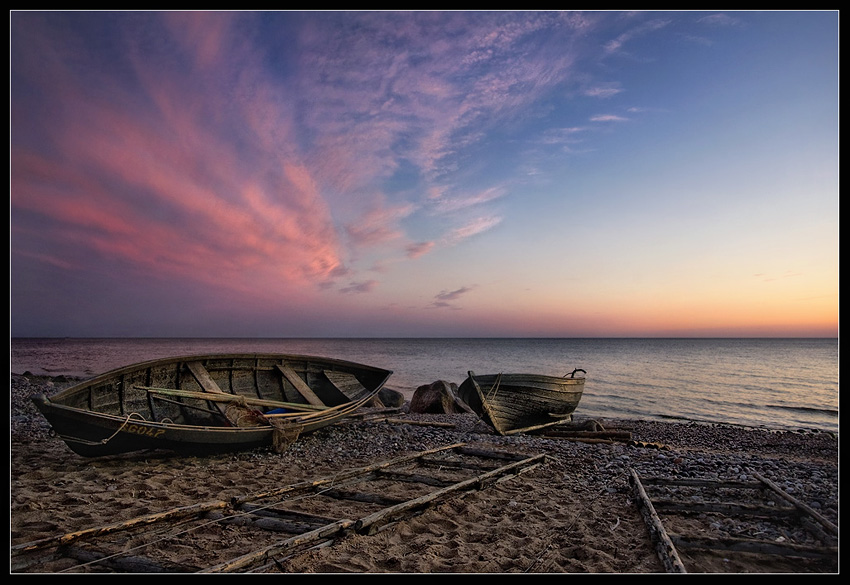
{"x":576,"y":513}
{"x":64,"y":380}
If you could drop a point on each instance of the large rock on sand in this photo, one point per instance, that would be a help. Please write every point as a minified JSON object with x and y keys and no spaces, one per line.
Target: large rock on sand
{"x":390,"y":397}
{"x":439,"y":397}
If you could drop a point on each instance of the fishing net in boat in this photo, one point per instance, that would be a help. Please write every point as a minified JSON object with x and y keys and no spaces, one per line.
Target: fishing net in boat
{"x":240,"y":415}
{"x":284,"y":434}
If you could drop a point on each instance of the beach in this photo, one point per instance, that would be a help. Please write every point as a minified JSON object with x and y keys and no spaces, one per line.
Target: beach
{"x":574,"y":513}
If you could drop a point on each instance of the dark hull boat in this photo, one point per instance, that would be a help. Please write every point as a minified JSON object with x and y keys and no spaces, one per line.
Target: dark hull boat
{"x":515,"y":403}
{"x":209,"y":403}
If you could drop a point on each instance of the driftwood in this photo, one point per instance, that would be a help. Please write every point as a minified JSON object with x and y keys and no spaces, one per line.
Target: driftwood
{"x":414,"y":478}
{"x":728,"y":508}
{"x":173,"y":514}
{"x":703,"y":483}
{"x":832,"y":528}
{"x":588,"y":425}
{"x":756,"y":546}
{"x":421,"y":423}
{"x":477,"y":452}
{"x":588,"y":440}
{"x":264,"y":522}
{"x":124,"y":563}
{"x":557,"y":432}
{"x":354,"y":496}
{"x":435,"y":462}
{"x":663,"y":545}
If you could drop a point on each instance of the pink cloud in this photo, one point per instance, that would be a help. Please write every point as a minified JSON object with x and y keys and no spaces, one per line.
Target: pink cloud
{"x":160,"y":188}
{"x":419,"y":249}
{"x":379,"y":225}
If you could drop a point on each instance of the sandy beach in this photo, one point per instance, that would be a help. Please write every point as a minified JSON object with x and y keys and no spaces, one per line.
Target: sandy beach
{"x":575,"y":513}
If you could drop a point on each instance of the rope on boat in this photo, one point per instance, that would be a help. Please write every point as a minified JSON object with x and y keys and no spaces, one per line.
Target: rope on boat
{"x":495,"y":387}
{"x":106,"y":440}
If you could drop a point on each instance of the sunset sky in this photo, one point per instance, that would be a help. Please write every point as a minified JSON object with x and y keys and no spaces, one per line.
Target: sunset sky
{"x":422,"y":174}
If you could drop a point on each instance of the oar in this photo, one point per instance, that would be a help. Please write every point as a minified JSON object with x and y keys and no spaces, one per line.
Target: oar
{"x":227,"y":397}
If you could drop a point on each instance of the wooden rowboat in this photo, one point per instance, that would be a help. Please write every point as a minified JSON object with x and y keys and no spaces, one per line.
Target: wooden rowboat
{"x":209,"y":403}
{"x":515,"y":403}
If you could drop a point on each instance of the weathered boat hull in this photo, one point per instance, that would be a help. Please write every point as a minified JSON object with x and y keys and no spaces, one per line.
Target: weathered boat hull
{"x":208,"y":404}
{"x":514,"y":403}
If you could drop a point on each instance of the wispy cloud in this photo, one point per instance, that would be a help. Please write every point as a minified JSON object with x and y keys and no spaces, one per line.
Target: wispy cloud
{"x":418,"y":249}
{"x":448,"y":204}
{"x":278,"y":160}
{"x":608,"y":118}
{"x":617,"y":44}
{"x":360,"y":287}
{"x":445,"y":299}
{"x":474,"y":227}
{"x":606,"y":90}
{"x":720,"y":19}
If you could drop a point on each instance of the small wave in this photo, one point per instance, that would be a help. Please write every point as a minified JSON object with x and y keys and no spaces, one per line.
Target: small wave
{"x":827,"y":411}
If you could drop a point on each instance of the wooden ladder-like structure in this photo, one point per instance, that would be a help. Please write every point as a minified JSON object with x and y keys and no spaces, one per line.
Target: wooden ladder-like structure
{"x":757,"y":500}
{"x":287,"y":519}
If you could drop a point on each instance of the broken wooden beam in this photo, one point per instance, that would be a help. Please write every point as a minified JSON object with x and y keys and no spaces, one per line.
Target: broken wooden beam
{"x":663,"y":545}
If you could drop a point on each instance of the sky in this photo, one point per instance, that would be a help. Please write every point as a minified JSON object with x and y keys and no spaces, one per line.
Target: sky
{"x":424,"y":174}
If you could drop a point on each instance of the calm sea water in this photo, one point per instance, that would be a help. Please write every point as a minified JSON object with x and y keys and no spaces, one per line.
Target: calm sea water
{"x":777,"y":383}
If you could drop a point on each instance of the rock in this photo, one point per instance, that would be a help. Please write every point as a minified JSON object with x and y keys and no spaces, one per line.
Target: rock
{"x":439,"y":397}
{"x":391,"y":398}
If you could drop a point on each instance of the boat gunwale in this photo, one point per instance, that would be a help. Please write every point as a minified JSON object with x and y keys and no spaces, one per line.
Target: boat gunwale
{"x":139,"y":366}
{"x":121,"y":420}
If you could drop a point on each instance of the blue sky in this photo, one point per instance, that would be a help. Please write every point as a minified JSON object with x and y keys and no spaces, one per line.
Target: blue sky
{"x":365,"y":174}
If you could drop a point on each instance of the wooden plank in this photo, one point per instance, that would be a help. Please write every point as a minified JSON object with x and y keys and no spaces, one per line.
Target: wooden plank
{"x":554,"y":432}
{"x":712,"y":484}
{"x":299,"y":384}
{"x":349,"y":385}
{"x":126,"y":563}
{"x":227,"y":397}
{"x":355,"y":496}
{"x":421,"y":423}
{"x":173,"y":514}
{"x":663,"y":545}
{"x":686,"y":507}
{"x":413,"y":478}
{"x":346,"y":383}
{"x":203,"y":377}
{"x":798,"y":504}
{"x":767,"y":547}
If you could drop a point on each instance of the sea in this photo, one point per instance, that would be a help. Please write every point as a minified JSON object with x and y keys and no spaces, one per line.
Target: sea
{"x":784,"y":384}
